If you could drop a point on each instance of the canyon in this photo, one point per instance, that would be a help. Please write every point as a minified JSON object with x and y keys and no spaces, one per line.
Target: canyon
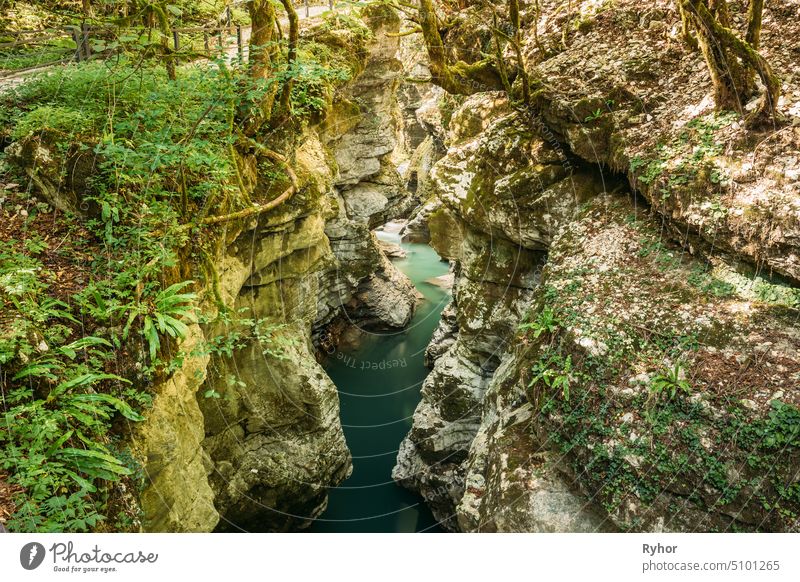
{"x":606,"y":334}
{"x":536,"y":224}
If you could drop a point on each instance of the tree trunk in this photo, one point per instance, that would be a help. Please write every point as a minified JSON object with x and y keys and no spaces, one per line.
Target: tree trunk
{"x":262,"y":49}
{"x":720,"y":43}
{"x":742,"y":77}
{"x":513,"y":15}
{"x":166,"y":34}
{"x":459,"y":78}
{"x":154,"y":17}
{"x":754,"y":23}
{"x":262,"y":56}
{"x":686,"y":27}
{"x":294,"y":33}
{"x":726,"y":94}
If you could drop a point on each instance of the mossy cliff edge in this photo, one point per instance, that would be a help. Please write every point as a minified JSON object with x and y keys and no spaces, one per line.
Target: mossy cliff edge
{"x":272,"y":442}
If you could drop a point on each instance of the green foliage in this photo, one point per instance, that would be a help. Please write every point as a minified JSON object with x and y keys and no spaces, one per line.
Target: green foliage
{"x":340,"y":20}
{"x":687,"y":157}
{"x":58,"y":405}
{"x":626,"y":438}
{"x":316,"y":72}
{"x":555,"y":372}
{"x":652,"y":169}
{"x":62,"y":119}
{"x":657,"y":250}
{"x":594,"y":116}
{"x":702,"y":280}
{"x":669,"y":382}
{"x":769,"y":292}
{"x":23,"y":57}
{"x":165,"y":314}
{"x":546,"y":322}
{"x":782,"y":428}
{"x":160,"y":141}
{"x":22,"y":291}
{"x":240,"y":332}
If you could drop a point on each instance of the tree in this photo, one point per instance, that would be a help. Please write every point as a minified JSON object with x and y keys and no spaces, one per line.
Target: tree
{"x":153,"y":15}
{"x":516,"y":41}
{"x":733,"y":62}
{"x":456,"y":78}
{"x":262,"y":55}
{"x":294,"y":33}
{"x":262,"y":50}
{"x":160,"y":14}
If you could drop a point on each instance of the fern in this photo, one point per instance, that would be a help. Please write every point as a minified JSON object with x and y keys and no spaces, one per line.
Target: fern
{"x":166,"y":316}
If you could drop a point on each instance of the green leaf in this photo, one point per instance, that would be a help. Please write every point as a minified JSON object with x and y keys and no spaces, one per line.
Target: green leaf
{"x":85,"y":379}
{"x":176,"y":327}
{"x":86,"y":419}
{"x":57,"y":445}
{"x":41,"y":370}
{"x":121,"y":406}
{"x":151,"y":335}
{"x":88,"y":460}
{"x":127,"y":327}
{"x":86,"y":342}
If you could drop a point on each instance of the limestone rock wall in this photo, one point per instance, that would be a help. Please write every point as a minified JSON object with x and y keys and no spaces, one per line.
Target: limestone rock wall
{"x":169,"y":444}
{"x":494,"y":218}
{"x":606,"y":363}
{"x":254,"y":395}
{"x":369,"y":191}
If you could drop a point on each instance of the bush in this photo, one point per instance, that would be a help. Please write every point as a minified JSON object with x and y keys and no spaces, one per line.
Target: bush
{"x":61,"y":119}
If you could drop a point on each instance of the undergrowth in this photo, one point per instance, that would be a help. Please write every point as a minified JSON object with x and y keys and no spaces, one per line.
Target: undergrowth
{"x":93,"y":314}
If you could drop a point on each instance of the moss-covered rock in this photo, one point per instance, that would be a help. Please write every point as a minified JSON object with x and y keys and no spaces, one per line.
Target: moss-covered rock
{"x":177,"y":496}
{"x":669,"y":401}
{"x":502,"y":195}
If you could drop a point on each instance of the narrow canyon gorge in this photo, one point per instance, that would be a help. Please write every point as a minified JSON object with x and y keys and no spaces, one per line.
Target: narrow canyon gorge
{"x":492,"y":303}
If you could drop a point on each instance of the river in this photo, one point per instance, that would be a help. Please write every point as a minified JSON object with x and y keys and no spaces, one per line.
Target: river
{"x":379,"y":383}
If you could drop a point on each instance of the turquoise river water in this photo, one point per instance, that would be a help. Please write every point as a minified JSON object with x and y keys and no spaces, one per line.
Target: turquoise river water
{"x":379,"y":383}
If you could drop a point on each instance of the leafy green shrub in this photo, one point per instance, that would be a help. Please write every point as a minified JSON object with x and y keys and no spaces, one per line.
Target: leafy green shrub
{"x":555,"y":372}
{"x":546,"y":322}
{"x":62,"y":119}
{"x":782,"y":428}
{"x":165,"y":315}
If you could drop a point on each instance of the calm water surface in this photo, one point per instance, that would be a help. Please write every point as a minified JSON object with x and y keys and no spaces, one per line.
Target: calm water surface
{"x":379,"y":384}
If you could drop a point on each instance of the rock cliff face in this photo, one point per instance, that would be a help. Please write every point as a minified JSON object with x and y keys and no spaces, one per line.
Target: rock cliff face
{"x":612,"y":361}
{"x":179,"y":497}
{"x":368,"y":191}
{"x":263,"y":409}
{"x":274,"y":435}
{"x":496,"y":213}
